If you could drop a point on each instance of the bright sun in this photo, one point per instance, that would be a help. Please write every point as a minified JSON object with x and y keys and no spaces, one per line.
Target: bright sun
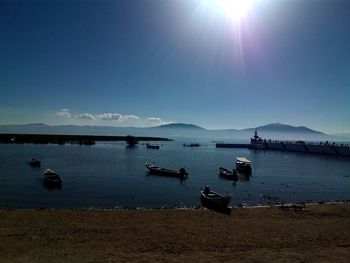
{"x":233,"y":9}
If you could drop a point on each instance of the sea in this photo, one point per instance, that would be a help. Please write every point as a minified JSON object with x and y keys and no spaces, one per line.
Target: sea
{"x":113,"y":175}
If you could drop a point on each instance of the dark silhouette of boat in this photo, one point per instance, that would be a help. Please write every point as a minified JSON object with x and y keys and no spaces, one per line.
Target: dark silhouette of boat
{"x":167,"y":172}
{"x":151,"y":146}
{"x":191,"y":145}
{"x":231,"y":175}
{"x":212,"y":198}
{"x":34,"y":162}
{"x":243,"y":165}
{"x":51,"y":178}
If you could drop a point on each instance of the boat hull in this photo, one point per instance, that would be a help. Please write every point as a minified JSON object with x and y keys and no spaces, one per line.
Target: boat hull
{"x":227,"y":173}
{"x":166,"y":172}
{"x":149,"y":146}
{"x":215,"y":199}
{"x":34,"y":163}
{"x":244,"y":168}
{"x":52,"y":179}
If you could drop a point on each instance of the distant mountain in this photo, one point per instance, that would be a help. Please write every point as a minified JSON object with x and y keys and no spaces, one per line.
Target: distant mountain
{"x":278,"y":127}
{"x":175,"y":130}
{"x":40,"y":128}
{"x":180,"y":126}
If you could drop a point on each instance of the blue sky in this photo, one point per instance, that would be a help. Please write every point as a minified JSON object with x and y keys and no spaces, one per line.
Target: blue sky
{"x":148,"y":62}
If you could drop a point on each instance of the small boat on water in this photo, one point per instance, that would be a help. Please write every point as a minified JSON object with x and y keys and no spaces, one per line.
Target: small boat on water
{"x":191,"y":145}
{"x":215,"y":199}
{"x":152,"y":146}
{"x":34,"y":162}
{"x":51,"y":178}
{"x":232,"y":175}
{"x":167,"y":172}
{"x":243,"y":165}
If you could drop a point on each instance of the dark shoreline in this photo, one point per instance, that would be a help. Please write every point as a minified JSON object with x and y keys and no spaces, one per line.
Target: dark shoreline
{"x":297,"y":205}
{"x":73,"y":139}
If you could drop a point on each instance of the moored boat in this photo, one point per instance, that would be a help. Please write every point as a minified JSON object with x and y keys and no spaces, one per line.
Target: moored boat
{"x":34,"y":162}
{"x":232,"y":175}
{"x":51,"y":178}
{"x":152,"y":146}
{"x":243,"y":165}
{"x":212,"y":198}
{"x":163,"y":171}
{"x":257,"y":142}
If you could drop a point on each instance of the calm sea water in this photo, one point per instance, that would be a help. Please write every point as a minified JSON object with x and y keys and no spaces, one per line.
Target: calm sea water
{"x":109,"y":174}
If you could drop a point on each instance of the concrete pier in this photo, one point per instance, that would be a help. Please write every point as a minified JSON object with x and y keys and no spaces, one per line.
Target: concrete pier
{"x":232,"y":145}
{"x":320,"y":148}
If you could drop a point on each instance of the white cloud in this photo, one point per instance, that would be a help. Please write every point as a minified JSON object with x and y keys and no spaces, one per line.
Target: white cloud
{"x":64,"y":113}
{"x":129,"y":118}
{"x":117,"y":117}
{"x":85,"y":116}
{"x":156,"y":121}
{"x":109,"y":116}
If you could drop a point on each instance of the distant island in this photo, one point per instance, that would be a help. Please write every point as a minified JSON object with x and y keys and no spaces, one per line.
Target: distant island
{"x":71,"y":139}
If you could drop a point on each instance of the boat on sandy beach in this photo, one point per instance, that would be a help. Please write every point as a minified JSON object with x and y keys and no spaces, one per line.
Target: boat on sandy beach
{"x":243,"y":165}
{"x":51,"y":178}
{"x":232,"y":175}
{"x":215,"y":199}
{"x":167,"y":172}
{"x":34,"y":162}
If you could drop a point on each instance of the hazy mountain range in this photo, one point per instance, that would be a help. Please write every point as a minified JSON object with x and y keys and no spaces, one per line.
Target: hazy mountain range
{"x":175,"y":130}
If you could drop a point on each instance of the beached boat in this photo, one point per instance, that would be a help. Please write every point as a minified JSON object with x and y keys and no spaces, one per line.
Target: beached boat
{"x":212,"y":198}
{"x":51,"y":178}
{"x":163,"y":171}
{"x":243,"y":165}
{"x":34,"y":162}
{"x":232,"y":175}
{"x":151,"y":146}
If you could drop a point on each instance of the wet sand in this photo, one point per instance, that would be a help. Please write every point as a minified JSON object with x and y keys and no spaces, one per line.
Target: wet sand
{"x":318,"y":233}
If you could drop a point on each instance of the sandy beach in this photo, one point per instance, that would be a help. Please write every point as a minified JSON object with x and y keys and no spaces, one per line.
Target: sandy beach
{"x":318,"y":233}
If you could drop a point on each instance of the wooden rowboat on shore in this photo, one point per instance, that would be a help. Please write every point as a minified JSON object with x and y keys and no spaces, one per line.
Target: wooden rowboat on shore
{"x":212,"y":198}
{"x":167,"y":172}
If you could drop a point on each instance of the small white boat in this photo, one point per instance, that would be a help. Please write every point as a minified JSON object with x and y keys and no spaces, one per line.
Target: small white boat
{"x":212,"y":198}
{"x":243,"y":165}
{"x":49,"y":172}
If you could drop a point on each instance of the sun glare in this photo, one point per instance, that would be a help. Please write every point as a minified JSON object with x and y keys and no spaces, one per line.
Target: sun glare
{"x":233,"y":9}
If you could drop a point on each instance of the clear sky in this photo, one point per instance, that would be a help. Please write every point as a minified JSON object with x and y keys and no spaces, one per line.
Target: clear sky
{"x":147,"y":62}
